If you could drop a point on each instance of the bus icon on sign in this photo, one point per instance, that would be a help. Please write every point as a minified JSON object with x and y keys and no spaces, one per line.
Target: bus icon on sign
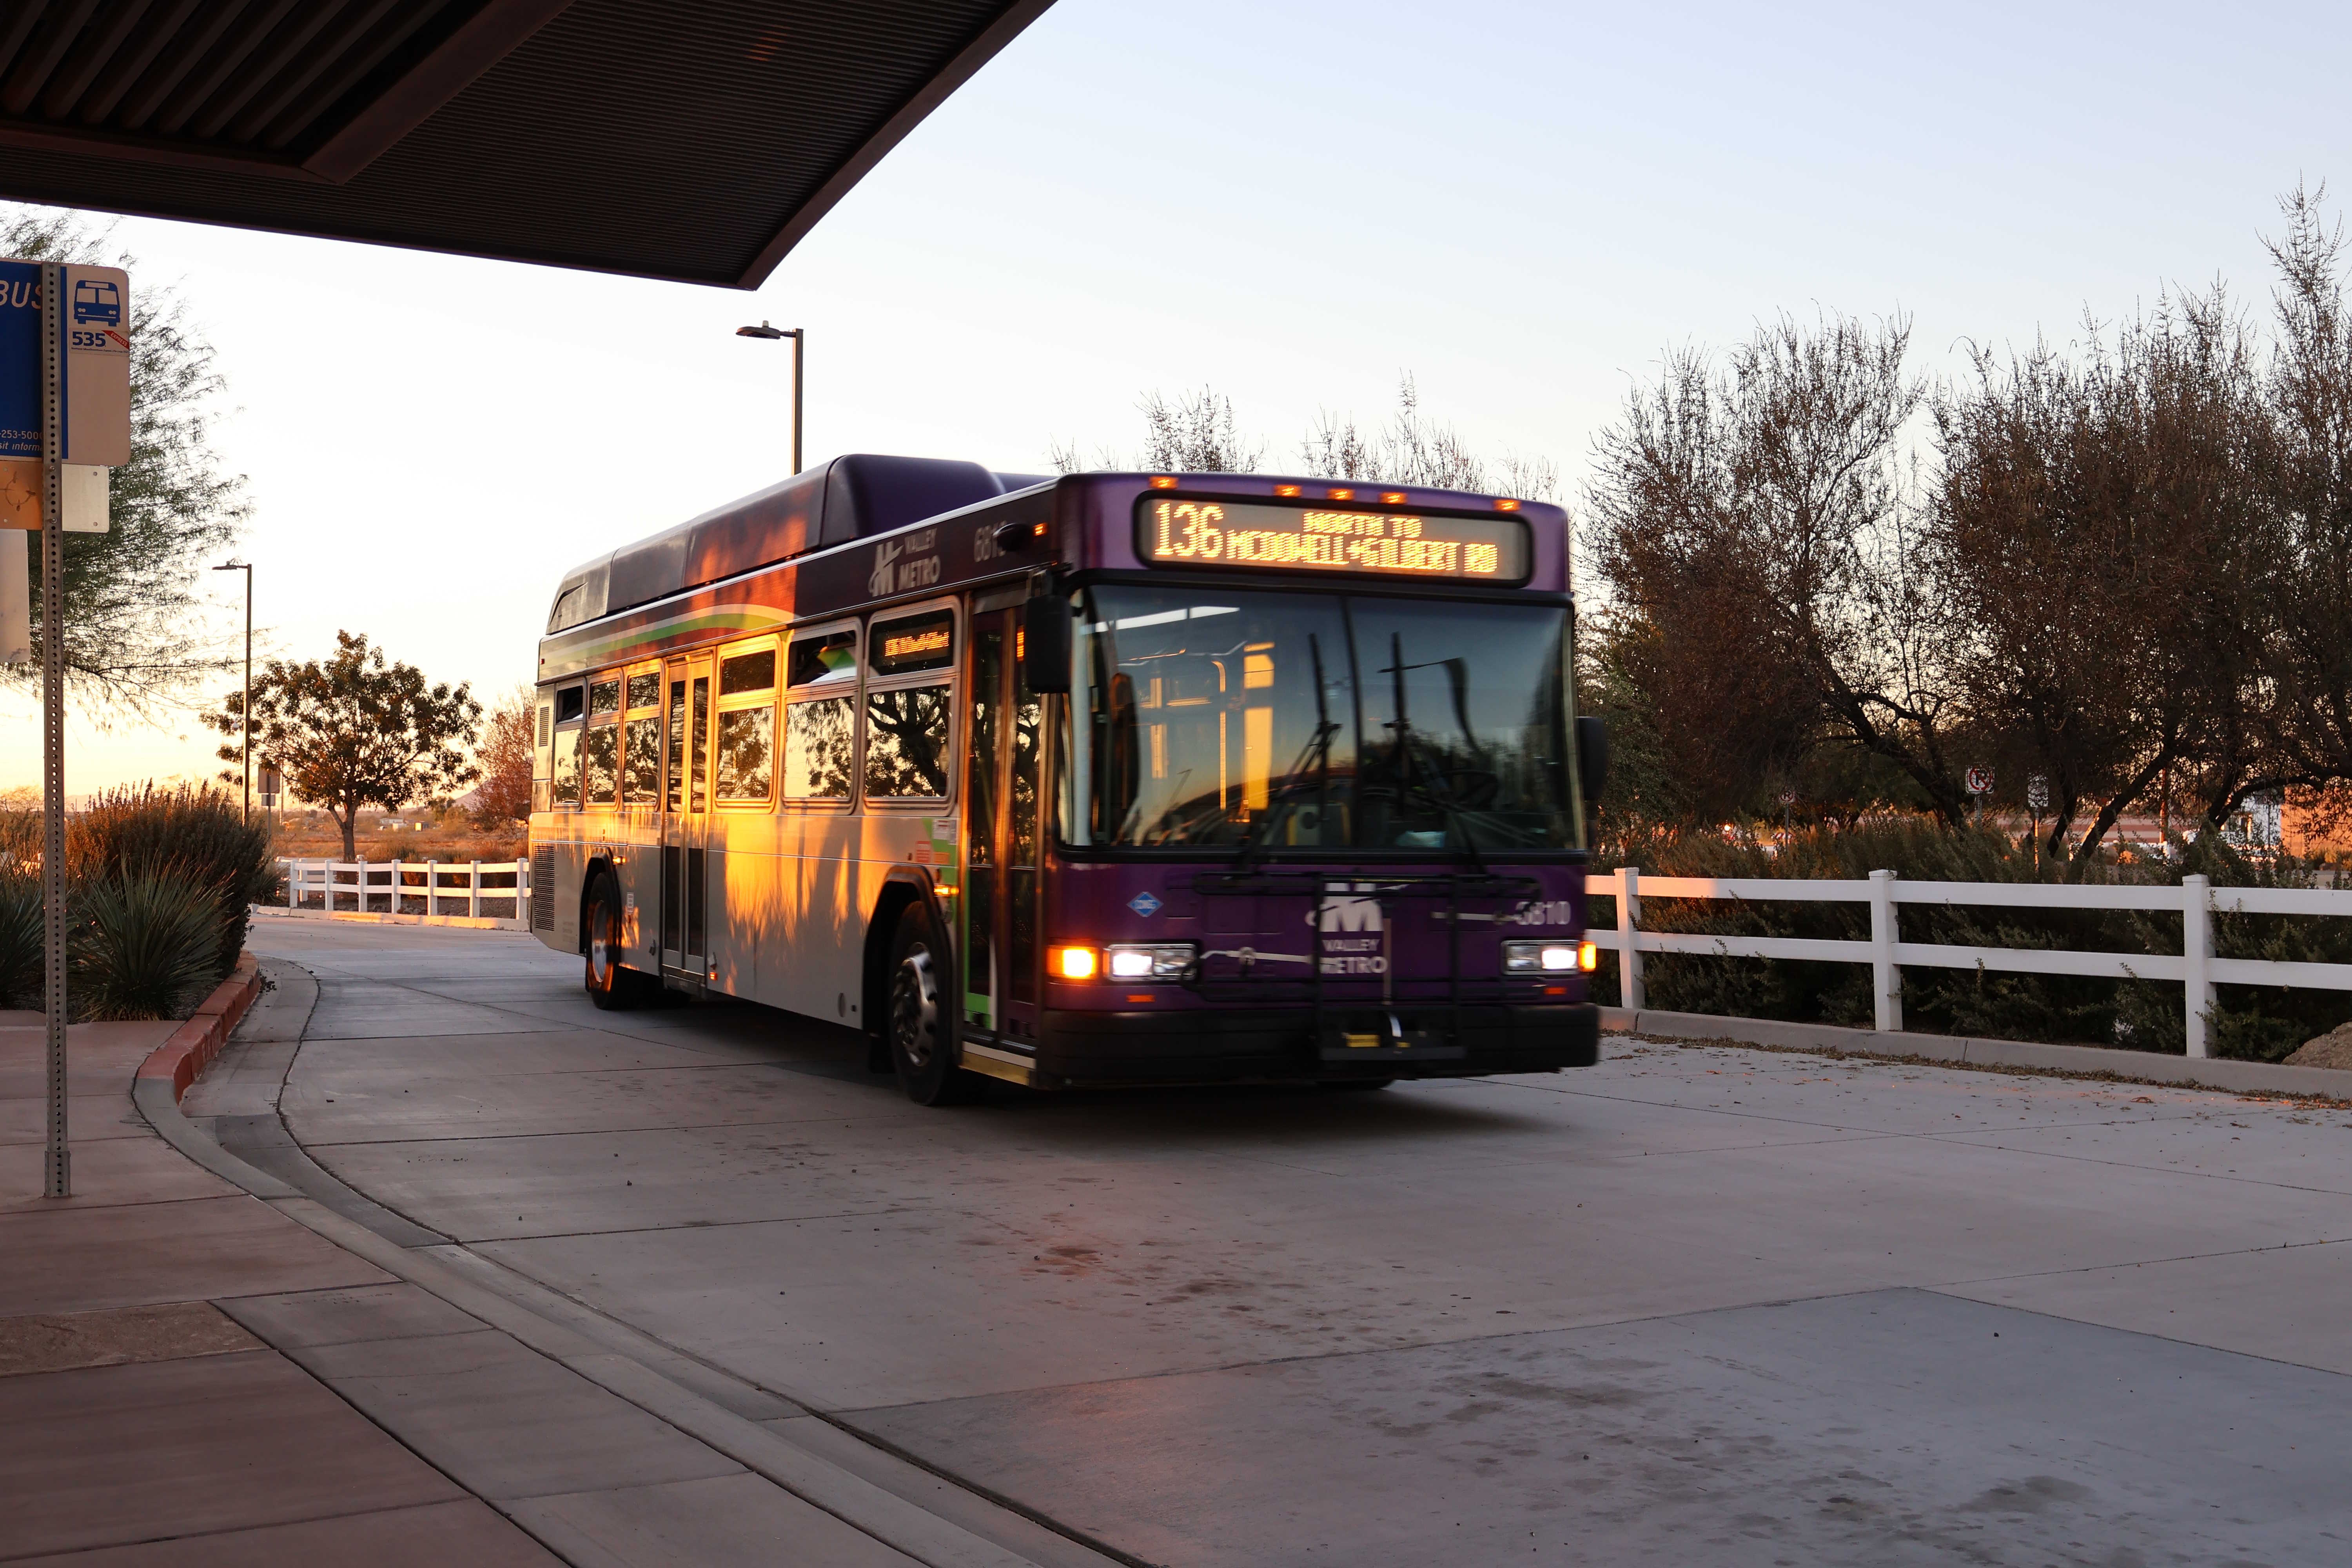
{"x":96,"y":300}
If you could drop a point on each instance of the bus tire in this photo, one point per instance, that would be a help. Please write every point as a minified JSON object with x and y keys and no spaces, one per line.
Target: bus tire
{"x":916,"y":1024}
{"x":610,"y":985}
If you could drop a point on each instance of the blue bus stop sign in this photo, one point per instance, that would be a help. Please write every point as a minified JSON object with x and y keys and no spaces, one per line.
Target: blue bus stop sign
{"x":20,"y":359}
{"x":95,"y":335}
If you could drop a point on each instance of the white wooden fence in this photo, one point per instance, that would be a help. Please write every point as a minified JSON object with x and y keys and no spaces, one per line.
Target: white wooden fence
{"x":493,"y":891}
{"x":2194,"y":968}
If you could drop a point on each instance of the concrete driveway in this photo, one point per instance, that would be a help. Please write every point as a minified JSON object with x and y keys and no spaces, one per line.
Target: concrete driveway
{"x":1695,"y":1305}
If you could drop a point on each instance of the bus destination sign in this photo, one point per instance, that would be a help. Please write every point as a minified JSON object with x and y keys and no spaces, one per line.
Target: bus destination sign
{"x":1175,"y":531}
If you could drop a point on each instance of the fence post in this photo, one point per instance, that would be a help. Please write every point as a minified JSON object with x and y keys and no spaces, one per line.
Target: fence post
{"x":1885,"y":979}
{"x":522,"y":892}
{"x":1630,"y":992}
{"x":2197,"y":959}
{"x":432,"y":882}
{"x":474,"y":891}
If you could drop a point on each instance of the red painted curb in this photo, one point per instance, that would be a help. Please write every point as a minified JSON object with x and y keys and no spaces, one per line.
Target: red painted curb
{"x":195,"y":1044}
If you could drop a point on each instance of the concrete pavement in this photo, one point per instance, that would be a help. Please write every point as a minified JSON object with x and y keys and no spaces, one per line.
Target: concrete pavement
{"x":140,"y":1423}
{"x":1712,"y":1305}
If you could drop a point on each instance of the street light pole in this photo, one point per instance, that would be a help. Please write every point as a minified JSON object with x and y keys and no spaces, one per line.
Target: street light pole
{"x":800,"y":341}
{"x":244,"y":710}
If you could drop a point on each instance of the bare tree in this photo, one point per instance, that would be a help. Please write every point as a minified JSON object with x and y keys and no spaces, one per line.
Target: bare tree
{"x":1411,"y":450}
{"x":1198,"y":433}
{"x":2310,"y":395}
{"x":1195,"y":434}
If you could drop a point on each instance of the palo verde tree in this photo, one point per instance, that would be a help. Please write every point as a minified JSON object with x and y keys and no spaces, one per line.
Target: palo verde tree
{"x":356,"y":730}
{"x":135,"y":628}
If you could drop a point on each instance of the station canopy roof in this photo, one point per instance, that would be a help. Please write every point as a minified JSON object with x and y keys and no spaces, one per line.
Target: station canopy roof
{"x":693,"y":140}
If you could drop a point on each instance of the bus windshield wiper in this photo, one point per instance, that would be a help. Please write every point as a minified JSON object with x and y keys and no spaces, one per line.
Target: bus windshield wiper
{"x":1441,"y":793}
{"x":1317,"y":751}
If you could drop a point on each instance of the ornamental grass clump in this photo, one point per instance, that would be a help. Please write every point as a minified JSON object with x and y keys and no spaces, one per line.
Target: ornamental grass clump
{"x":197,"y":834}
{"x":142,"y":944}
{"x":20,"y":937}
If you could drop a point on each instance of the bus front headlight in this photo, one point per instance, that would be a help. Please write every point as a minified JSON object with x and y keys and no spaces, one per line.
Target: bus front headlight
{"x":1553,"y":956}
{"x":1150,"y":960}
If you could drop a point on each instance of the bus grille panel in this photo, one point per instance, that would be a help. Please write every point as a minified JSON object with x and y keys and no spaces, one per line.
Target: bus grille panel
{"x":543,"y":887}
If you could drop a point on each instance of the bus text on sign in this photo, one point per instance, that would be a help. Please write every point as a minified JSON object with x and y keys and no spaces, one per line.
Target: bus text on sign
{"x":1176,"y":531}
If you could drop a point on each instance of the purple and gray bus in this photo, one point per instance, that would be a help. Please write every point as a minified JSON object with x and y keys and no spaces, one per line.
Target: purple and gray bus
{"x":1109,"y":779}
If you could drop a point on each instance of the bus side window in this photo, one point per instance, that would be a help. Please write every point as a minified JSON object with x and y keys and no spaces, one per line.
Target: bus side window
{"x":821,"y":714}
{"x":600,"y":745}
{"x":641,"y":748}
{"x":564,"y":770}
{"x":543,"y":751}
{"x":747,"y":727}
{"x":908,"y":724}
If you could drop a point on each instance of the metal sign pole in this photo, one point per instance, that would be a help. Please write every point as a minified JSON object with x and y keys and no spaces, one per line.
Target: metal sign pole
{"x":58,"y":1167}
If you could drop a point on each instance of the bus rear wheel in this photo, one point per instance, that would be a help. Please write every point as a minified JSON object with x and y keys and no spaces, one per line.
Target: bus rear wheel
{"x":610,"y":985}
{"x":919,"y":1030}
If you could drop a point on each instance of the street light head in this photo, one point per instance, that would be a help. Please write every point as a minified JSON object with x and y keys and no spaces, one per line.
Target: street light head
{"x":761,"y":330}
{"x":232,"y":566}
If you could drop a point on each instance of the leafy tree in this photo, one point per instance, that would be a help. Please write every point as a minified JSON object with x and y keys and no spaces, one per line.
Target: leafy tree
{"x":2103,"y":531}
{"x":1758,"y":528}
{"x":355,"y":732}
{"x":135,"y":624}
{"x":505,"y":757}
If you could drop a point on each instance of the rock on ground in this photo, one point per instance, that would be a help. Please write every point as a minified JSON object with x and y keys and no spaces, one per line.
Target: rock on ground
{"x":2332,"y":1049}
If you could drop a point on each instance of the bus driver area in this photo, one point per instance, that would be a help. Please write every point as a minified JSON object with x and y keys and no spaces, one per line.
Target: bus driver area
{"x":1108,"y":779}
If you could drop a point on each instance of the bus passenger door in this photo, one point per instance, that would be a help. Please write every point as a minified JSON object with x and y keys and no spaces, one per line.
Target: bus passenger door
{"x":983,"y":851}
{"x":1025,"y":717}
{"x":686,"y":817}
{"x":999,"y":836}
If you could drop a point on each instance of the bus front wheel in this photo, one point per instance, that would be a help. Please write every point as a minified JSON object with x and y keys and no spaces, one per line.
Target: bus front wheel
{"x":610,"y":985}
{"x":922,"y":1051}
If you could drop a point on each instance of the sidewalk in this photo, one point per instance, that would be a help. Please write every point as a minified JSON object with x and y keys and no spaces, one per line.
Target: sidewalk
{"x":216,"y":1353}
{"x":138,"y":1422}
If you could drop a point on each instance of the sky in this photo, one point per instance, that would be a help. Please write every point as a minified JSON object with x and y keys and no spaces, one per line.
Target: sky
{"x":1294,"y":202}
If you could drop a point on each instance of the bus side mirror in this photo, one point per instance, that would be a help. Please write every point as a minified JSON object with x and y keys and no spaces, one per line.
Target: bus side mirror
{"x":1045,"y":644}
{"x":1592,"y":756}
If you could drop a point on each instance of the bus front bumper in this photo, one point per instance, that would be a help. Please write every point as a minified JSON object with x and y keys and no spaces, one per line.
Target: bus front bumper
{"x":1075,"y":1049}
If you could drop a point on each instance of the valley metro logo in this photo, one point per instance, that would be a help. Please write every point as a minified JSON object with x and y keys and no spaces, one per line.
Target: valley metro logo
{"x":884,"y":578}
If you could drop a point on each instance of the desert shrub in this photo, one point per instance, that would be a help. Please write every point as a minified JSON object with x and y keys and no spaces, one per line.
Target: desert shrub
{"x":142,"y":944}
{"x":193,"y":831}
{"x":2266,"y":1022}
{"x":20,"y":937}
{"x":20,"y":836}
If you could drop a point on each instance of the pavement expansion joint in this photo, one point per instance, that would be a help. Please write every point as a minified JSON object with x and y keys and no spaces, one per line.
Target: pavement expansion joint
{"x":683,"y":1392}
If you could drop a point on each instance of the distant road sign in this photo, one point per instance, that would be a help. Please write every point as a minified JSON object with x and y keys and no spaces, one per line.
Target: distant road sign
{"x":1979,"y":781}
{"x":1788,"y":797}
{"x":2037,"y":791}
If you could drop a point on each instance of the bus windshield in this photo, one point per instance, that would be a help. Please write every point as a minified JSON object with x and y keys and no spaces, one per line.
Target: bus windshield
{"x":1267,"y":722}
